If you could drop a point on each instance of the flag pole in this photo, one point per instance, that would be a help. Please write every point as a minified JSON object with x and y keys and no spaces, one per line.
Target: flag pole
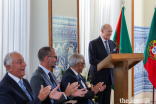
{"x":153,"y":86}
{"x":123,"y":3}
{"x":153,"y":94}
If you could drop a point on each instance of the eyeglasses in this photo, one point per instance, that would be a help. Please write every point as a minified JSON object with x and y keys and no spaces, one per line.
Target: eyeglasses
{"x":53,"y":56}
{"x":83,"y":63}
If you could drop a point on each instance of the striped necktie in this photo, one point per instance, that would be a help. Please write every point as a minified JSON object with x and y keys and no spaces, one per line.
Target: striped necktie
{"x":53,"y":83}
{"x":53,"y":80}
{"x":24,"y":89}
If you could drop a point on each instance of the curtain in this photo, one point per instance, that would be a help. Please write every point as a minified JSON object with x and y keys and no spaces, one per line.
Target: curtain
{"x":15,"y":31}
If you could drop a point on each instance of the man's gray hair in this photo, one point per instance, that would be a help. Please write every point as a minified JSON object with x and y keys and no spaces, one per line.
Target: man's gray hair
{"x":7,"y":59}
{"x":75,"y":58}
{"x":103,"y":27}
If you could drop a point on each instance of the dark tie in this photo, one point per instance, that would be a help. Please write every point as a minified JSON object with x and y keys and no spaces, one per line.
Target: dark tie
{"x":53,"y":80}
{"x":107,"y":49}
{"x":80,"y":78}
{"x":53,"y":83}
{"x":24,"y":89}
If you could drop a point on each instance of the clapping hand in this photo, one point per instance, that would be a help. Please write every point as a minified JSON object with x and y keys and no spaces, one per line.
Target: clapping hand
{"x":79,"y":92}
{"x":44,"y":92}
{"x":98,"y":87}
{"x":73,"y":91}
{"x":70,"y":88}
{"x":54,"y":94}
{"x":102,"y":87}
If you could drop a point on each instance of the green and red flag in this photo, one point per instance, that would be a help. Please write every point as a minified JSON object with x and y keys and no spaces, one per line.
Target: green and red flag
{"x":150,"y":52}
{"x":121,"y":36}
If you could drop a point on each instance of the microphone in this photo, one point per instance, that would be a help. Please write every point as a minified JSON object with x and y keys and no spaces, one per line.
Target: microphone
{"x":114,"y":50}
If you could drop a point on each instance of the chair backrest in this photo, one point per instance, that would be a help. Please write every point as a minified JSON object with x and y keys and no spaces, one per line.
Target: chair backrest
{"x":71,"y":102}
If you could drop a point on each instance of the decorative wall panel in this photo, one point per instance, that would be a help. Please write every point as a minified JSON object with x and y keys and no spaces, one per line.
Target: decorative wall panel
{"x":141,"y":81}
{"x":64,"y":41}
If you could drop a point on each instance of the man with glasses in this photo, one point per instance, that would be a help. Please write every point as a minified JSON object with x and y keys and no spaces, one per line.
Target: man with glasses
{"x":43,"y":76}
{"x":72,"y":74}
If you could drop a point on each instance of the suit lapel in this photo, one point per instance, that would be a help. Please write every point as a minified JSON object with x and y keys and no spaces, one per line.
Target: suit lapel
{"x":16,"y":86}
{"x":46,"y":78}
{"x":79,"y":82}
{"x":84,"y":81}
{"x":30,"y":92}
{"x":110,"y":45}
{"x":81,"y":86}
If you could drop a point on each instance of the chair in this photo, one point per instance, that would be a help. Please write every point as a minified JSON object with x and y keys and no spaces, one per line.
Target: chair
{"x":71,"y":102}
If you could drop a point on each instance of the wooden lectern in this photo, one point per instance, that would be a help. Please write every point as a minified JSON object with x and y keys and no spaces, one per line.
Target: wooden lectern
{"x":121,"y":64}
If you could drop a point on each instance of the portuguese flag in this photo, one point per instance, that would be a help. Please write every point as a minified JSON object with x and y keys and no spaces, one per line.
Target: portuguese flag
{"x":150,"y":52}
{"x":121,"y":36}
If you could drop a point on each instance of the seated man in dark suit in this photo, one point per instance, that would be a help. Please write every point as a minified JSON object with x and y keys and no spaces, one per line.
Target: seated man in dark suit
{"x":43,"y":76}
{"x":77,"y":63}
{"x":14,"y":89}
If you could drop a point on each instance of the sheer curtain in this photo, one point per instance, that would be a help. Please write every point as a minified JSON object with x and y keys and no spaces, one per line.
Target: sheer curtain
{"x":93,"y":14}
{"x":15,"y":31}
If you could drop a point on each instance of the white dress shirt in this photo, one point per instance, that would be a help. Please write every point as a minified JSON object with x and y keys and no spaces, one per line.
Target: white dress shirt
{"x":16,"y":79}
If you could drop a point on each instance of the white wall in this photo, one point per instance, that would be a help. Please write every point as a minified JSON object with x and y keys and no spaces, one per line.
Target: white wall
{"x":39,"y":29}
{"x":138,"y":12}
{"x":148,"y":12}
{"x":143,"y":12}
{"x":66,"y":8}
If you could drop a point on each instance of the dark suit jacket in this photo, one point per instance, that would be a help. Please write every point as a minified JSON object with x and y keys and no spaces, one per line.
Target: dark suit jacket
{"x":11,"y":92}
{"x":39,"y":78}
{"x":97,"y":53}
{"x":69,"y":76}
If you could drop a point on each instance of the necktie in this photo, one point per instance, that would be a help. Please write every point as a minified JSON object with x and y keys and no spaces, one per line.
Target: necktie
{"x":24,"y":89}
{"x":80,"y":78}
{"x":53,"y":83}
{"x":107,"y":49}
{"x":53,"y":80}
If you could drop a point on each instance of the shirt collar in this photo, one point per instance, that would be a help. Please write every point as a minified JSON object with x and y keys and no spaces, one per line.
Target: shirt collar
{"x":102,"y":38}
{"x":74,"y":71}
{"x":44,"y":69}
{"x":16,"y":79}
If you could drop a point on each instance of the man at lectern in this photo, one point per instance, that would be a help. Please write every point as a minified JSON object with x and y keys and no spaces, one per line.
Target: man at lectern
{"x":99,"y":49}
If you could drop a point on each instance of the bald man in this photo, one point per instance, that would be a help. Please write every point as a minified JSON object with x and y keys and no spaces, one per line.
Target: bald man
{"x":99,"y":49}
